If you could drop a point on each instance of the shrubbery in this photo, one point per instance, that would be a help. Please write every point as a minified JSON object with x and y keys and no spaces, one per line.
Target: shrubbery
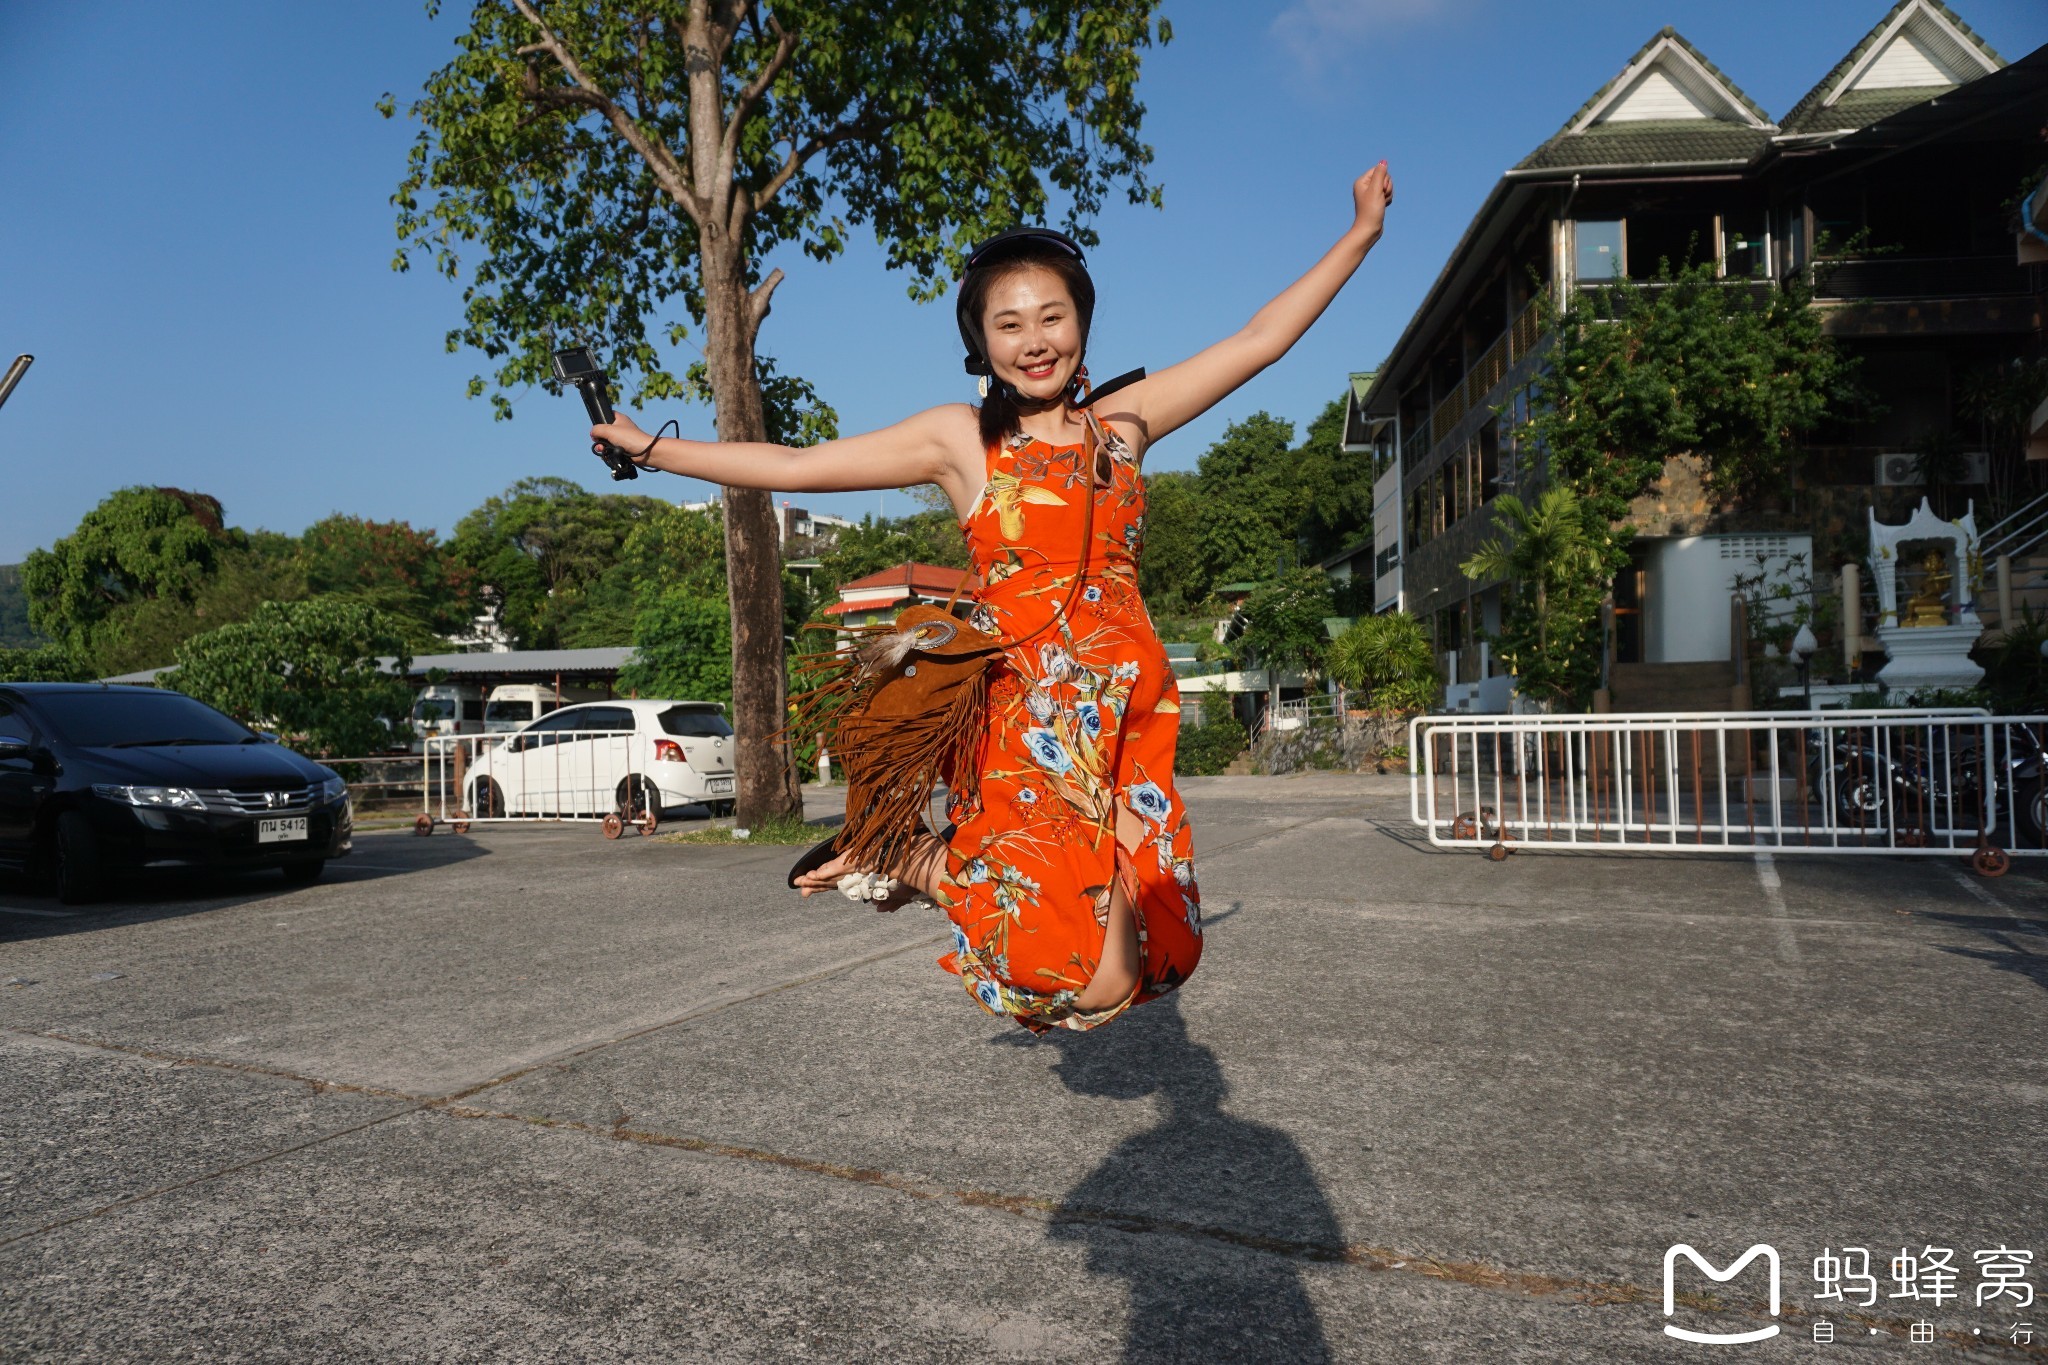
{"x":1208,"y":748}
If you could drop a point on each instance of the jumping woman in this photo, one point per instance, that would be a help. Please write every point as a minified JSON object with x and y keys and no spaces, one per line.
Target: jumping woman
{"x":1069,"y":877}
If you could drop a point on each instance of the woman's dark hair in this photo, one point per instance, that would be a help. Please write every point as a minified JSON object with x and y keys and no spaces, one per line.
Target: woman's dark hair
{"x":999,"y":411}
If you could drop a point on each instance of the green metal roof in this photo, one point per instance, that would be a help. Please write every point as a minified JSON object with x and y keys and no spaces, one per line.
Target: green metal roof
{"x":1865,"y":107}
{"x":1663,"y":142}
{"x":1660,"y":142}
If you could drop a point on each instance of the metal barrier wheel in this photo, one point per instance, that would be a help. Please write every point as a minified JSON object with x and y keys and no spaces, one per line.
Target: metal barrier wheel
{"x":423,"y":825}
{"x":649,"y":821}
{"x":460,"y":824}
{"x":1991,"y":861}
{"x":613,"y":826}
{"x":1499,"y":853}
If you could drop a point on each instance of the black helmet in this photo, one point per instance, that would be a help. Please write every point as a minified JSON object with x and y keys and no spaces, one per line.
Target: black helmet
{"x":1009,"y":242}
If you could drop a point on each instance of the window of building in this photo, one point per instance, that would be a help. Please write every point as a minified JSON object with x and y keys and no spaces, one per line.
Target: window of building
{"x":1598,"y":255}
{"x":1745,"y":249}
{"x":1658,"y":240}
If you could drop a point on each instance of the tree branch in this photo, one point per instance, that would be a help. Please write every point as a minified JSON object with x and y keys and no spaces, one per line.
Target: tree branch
{"x":589,"y":94}
{"x":868,"y":125}
{"x":743,"y":107}
{"x":757,"y":301}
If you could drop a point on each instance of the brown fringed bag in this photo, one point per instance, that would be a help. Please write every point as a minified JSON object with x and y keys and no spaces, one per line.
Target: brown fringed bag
{"x":903,"y":707}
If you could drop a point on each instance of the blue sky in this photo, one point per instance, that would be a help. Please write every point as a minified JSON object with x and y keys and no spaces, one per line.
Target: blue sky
{"x":196,"y":238}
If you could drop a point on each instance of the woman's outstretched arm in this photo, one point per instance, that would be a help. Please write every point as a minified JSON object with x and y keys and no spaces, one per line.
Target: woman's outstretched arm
{"x":926,"y":448}
{"x":1176,"y":396}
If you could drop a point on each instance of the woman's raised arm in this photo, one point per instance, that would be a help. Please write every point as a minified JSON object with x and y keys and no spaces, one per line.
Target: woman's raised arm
{"x":1177,"y":395}
{"x":925,"y":448}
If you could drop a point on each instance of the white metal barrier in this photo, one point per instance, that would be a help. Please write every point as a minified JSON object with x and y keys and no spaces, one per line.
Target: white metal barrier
{"x":1929,"y":782}
{"x":619,"y":778}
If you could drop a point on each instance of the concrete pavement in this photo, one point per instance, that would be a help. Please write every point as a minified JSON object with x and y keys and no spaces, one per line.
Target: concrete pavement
{"x":525,"y":1095}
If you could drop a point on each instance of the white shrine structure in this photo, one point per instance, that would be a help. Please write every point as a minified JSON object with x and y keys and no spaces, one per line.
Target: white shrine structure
{"x":1927,"y":643}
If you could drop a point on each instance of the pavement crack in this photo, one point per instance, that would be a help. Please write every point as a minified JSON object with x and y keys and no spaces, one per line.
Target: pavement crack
{"x":1592,"y":1293}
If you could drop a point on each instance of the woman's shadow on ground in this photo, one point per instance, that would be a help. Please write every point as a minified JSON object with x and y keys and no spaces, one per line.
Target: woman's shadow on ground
{"x":1210,"y":1219}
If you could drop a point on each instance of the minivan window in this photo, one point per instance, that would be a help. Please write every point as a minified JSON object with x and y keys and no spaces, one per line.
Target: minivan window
{"x":691,"y":722}
{"x":433,"y":708}
{"x":105,"y":719}
{"x":521,"y":710}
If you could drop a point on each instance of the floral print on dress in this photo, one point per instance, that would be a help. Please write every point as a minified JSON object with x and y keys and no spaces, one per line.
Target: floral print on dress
{"x":1076,"y":792}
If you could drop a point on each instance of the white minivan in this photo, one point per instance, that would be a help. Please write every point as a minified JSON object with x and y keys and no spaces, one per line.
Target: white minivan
{"x":446,"y":709}
{"x":515,"y":705}
{"x":588,"y":759}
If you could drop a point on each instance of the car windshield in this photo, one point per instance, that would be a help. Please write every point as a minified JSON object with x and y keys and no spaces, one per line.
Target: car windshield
{"x":691,"y":722}
{"x":521,"y":711}
{"x":116,"y":719}
{"x":433,"y":708}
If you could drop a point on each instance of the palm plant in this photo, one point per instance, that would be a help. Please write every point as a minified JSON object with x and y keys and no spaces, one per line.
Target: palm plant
{"x":1550,"y":554}
{"x":1390,"y":659}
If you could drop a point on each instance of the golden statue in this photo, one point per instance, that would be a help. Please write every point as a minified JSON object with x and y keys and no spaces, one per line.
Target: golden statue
{"x":1927,"y":608}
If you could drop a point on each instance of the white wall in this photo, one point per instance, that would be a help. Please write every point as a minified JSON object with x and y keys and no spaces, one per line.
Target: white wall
{"x":1691,"y":579}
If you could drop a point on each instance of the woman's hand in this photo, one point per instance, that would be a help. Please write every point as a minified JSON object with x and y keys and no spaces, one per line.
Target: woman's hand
{"x":622,"y":432}
{"x":1370,"y":195}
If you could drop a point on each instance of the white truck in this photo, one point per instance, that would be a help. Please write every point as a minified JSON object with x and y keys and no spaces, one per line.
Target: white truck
{"x":514,"y":706}
{"x":446,"y":709}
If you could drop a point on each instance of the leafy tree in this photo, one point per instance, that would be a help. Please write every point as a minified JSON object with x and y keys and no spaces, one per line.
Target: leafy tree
{"x":138,"y":545}
{"x":684,"y":649}
{"x":541,"y":547}
{"x":1389,"y":658}
{"x":1549,"y":557}
{"x":41,"y":663}
{"x":1336,"y":487}
{"x":312,"y":670}
{"x":1171,"y":574}
{"x":404,"y":572}
{"x":1251,"y":503}
{"x":615,"y":157}
{"x":1283,"y":625}
{"x":15,"y":631}
{"x":875,"y":544}
{"x":147,"y":633}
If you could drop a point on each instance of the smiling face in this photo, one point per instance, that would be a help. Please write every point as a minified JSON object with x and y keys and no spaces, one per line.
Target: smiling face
{"x":1032,"y":332}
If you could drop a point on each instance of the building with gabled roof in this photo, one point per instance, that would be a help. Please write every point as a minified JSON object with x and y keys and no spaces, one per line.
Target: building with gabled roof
{"x":877,"y":597}
{"x":1887,"y":187}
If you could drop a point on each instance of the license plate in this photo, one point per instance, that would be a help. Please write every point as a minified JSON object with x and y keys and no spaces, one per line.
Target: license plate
{"x":281,"y":831}
{"x":718,"y":784}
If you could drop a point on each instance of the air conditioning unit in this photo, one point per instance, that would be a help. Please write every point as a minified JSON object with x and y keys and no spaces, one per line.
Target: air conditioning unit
{"x":1900,"y":471}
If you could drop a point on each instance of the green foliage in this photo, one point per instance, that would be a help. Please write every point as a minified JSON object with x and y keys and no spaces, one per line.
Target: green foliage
{"x":15,"y":631}
{"x":1388,"y":658}
{"x":402,"y":572}
{"x":1172,"y":572}
{"x":1777,"y":602}
{"x":684,"y":644}
{"x":43,"y":663}
{"x":1336,"y":488}
{"x":1550,"y":560}
{"x":309,"y":670}
{"x":543,"y":548}
{"x":1284,"y":623}
{"x":1685,"y":365}
{"x":1207,"y":749}
{"x":875,"y":544}
{"x":2015,"y":675}
{"x":138,"y":545}
{"x":933,"y":122}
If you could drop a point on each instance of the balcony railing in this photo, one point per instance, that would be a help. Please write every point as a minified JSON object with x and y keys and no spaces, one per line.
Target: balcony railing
{"x":1921,"y":277}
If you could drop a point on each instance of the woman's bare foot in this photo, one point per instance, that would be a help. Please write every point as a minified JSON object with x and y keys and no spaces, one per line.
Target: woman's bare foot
{"x":919,"y":873}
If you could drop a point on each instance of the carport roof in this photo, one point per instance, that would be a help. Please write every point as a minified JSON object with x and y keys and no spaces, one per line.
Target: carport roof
{"x":519,"y":665}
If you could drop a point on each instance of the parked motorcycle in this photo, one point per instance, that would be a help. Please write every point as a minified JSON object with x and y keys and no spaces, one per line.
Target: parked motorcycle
{"x":1932,"y":779}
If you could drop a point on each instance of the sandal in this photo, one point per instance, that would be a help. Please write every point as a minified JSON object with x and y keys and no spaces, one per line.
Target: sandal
{"x":818,"y":854}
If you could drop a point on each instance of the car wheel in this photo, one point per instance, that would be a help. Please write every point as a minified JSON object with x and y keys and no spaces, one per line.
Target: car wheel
{"x":2032,"y":812}
{"x":486,"y":799}
{"x":636,"y":796}
{"x":303,"y":874}
{"x":722,"y":807}
{"x":75,"y":854}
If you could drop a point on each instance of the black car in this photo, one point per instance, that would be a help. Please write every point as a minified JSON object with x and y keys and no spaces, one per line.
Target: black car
{"x":97,"y":780}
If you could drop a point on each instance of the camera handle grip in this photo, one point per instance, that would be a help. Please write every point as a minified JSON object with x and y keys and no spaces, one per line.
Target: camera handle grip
{"x":597,"y":402}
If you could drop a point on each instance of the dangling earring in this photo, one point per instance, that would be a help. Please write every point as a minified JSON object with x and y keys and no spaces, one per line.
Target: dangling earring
{"x":981,"y":386}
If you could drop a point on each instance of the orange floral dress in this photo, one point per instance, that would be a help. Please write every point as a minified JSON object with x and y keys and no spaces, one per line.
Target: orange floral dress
{"x":1076,"y":787}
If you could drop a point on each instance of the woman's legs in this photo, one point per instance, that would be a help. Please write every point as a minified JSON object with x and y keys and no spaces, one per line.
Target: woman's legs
{"x":1117,"y":973}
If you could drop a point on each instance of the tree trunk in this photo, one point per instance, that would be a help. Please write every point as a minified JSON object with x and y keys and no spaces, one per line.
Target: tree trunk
{"x":753,"y":551}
